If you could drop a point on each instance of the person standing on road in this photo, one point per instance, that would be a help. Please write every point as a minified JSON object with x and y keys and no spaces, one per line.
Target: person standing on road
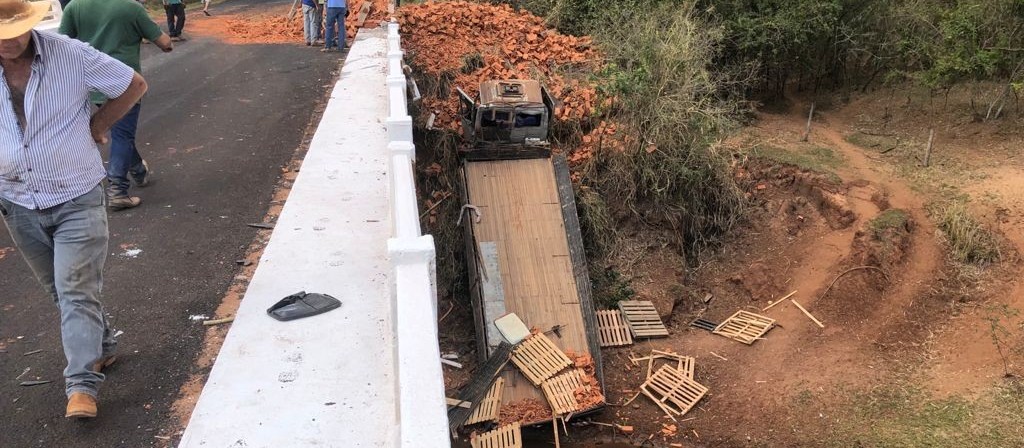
{"x":116,"y":27}
{"x":175,"y":10}
{"x":51,"y":199}
{"x":312,"y":18}
{"x":336,"y":12}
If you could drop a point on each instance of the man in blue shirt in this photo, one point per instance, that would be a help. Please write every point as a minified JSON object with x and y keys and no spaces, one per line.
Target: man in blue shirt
{"x":336,"y":12}
{"x":50,"y":172}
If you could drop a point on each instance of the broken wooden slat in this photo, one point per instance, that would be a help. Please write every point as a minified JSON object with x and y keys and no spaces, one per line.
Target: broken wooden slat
{"x":745,"y":327}
{"x":613,"y":331}
{"x":457,"y":402}
{"x":539,"y":359}
{"x":490,"y":406}
{"x":673,"y":391}
{"x":560,"y":391}
{"x":509,"y":436}
{"x":808,"y":313}
{"x":643,"y":319}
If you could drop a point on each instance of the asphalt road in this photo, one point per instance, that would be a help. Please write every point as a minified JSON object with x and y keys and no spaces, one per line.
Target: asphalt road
{"x":218,"y":124}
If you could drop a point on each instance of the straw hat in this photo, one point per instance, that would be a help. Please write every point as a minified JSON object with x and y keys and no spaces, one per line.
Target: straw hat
{"x":17,"y":17}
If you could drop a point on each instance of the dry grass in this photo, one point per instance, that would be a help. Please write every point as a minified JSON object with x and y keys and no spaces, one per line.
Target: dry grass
{"x":969,"y":241}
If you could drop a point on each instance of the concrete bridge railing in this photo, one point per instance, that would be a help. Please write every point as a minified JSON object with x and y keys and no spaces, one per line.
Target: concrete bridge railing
{"x":422,"y":410}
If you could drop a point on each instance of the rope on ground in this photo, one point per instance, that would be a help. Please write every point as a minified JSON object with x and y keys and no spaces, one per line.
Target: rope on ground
{"x":849,"y":271}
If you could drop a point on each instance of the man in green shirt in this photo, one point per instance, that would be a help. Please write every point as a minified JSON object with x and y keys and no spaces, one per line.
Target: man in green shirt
{"x":117,"y":27}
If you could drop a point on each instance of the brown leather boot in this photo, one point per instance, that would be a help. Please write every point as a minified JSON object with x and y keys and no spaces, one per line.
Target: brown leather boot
{"x":103,"y":363}
{"x":81,"y":405}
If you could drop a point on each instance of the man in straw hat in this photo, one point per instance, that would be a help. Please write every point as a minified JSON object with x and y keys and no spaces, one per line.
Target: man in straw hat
{"x":50,"y":172}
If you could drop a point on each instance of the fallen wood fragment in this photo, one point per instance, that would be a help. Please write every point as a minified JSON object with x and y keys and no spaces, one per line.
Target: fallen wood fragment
{"x":455,"y":402}
{"x":777,"y":301}
{"x":260,"y":225}
{"x":554,"y":423}
{"x":210,"y":323}
{"x":451,"y":363}
{"x":807,"y":313}
{"x":33,"y":383}
{"x":32,"y":352}
{"x":719,"y":356}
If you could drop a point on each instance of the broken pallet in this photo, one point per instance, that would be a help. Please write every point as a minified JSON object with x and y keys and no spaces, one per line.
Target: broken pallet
{"x":745,"y":327}
{"x":673,"y":391}
{"x":490,"y":406}
{"x":509,"y":436}
{"x":539,"y":359}
{"x":560,"y":391}
{"x":613,"y":331}
{"x":643,"y":319}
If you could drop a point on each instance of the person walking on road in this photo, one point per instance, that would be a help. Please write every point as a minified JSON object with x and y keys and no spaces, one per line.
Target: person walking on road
{"x":312,"y":18}
{"x":336,"y":12}
{"x":116,"y":27}
{"x":51,"y":199}
{"x":175,"y":10}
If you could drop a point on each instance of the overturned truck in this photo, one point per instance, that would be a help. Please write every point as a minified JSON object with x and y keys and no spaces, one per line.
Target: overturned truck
{"x":535,"y":321}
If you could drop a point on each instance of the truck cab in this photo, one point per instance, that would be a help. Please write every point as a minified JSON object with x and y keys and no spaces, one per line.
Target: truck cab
{"x":507,"y":112}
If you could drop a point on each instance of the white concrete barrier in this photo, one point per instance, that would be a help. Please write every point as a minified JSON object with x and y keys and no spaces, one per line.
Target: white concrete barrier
{"x":423,"y":420}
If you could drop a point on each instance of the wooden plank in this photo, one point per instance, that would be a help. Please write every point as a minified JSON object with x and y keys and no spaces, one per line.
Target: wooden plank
{"x":457,"y":402}
{"x":808,"y":314}
{"x":490,"y":406}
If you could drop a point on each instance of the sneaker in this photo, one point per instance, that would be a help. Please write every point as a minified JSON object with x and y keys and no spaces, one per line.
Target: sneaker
{"x":325,"y":49}
{"x":81,"y":405}
{"x":142,"y":179}
{"x":123,"y":202}
{"x":206,"y":12}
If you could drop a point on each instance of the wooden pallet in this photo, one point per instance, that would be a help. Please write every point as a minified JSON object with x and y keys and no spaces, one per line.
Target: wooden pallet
{"x":560,"y":391}
{"x":612,"y":329}
{"x":643,"y":319}
{"x":509,"y":436}
{"x":487,"y":410}
{"x":745,"y":327}
{"x":539,"y":359}
{"x":673,"y":391}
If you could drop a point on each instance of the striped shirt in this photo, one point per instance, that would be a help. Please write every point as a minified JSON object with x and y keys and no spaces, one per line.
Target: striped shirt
{"x":55,"y":159}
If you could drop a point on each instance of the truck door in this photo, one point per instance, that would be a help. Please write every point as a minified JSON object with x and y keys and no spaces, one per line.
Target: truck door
{"x":467,"y":115}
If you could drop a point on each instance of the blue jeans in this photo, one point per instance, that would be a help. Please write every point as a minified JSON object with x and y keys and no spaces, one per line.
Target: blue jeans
{"x":175,"y":19}
{"x":66,"y":247}
{"x":124,"y":156}
{"x":335,"y":16}
{"x":311,"y":25}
